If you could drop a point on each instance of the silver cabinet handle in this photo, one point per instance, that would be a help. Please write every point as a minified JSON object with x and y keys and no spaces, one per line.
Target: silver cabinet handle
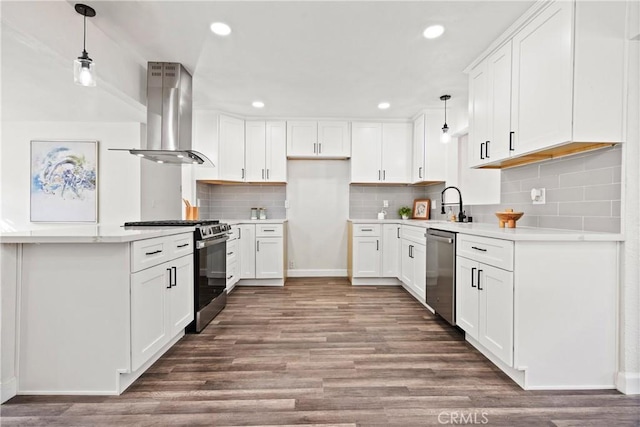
{"x":315,"y":149}
{"x":384,"y":175}
{"x":262,"y":173}
{"x":319,"y":147}
{"x":267,"y":173}
{"x":378,"y":175}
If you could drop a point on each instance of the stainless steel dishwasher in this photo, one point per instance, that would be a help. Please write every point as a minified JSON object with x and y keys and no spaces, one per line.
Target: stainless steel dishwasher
{"x":441,"y":273}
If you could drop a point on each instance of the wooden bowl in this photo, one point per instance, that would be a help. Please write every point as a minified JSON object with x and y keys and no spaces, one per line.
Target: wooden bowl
{"x":508,"y":217}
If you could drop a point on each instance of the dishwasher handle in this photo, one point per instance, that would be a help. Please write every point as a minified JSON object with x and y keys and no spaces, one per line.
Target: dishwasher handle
{"x":440,"y":239}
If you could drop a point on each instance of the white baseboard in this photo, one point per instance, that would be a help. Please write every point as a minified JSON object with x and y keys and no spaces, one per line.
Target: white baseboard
{"x":8,"y":389}
{"x":628,"y":382}
{"x":317,"y":273}
{"x":375,"y":281}
{"x":260,"y":282}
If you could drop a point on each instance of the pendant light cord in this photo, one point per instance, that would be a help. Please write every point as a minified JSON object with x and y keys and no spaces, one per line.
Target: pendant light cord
{"x":84,"y":37}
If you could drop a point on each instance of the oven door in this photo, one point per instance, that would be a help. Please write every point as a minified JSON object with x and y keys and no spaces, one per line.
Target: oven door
{"x":210,"y":279}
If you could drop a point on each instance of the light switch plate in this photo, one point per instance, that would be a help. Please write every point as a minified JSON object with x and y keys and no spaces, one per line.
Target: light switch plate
{"x":385,"y":203}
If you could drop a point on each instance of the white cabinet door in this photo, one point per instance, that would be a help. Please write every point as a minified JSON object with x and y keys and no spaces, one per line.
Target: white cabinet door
{"x":255,"y":152}
{"x":396,"y":152}
{"x":467,"y":296}
{"x":417,"y":170}
{"x":181,"y":294}
{"x":499,"y":72}
{"x":495,"y":289}
{"x":366,"y":152}
{"x":149,"y":307}
{"x":247,"y":249}
{"x":419,"y":258}
{"x":478,"y":114}
{"x":269,"y":258}
{"x":333,"y":139}
{"x":406,"y":261}
{"x":542,"y":78}
{"x":231,"y":148}
{"x":302,"y":138}
{"x":391,"y":250}
{"x":276,"y":152}
{"x":366,"y":256}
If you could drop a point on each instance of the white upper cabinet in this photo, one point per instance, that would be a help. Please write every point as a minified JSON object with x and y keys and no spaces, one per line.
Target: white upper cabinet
{"x":429,"y":155}
{"x":555,"y":88}
{"x":381,"y":152}
{"x":333,"y":139}
{"x":266,"y":158}
{"x":318,"y":139}
{"x":302,"y":139}
{"x":231,"y":149}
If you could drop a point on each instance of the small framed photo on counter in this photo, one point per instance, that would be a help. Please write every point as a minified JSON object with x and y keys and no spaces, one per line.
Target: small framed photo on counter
{"x":421,"y":209}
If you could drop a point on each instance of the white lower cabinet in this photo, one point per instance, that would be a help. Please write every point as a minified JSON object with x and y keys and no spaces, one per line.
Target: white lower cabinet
{"x":161,"y":306}
{"x":269,"y":261}
{"x":247,"y":250}
{"x":261,"y":251}
{"x":484,"y":306}
{"x":414,"y":267}
{"x":367,"y":256}
{"x":391,"y":250}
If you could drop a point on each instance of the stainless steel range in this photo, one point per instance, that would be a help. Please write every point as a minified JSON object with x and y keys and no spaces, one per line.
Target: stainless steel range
{"x":210,"y":266}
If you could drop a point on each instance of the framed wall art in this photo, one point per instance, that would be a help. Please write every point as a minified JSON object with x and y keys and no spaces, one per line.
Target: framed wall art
{"x":64,"y":181}
{"x":421,"y":209}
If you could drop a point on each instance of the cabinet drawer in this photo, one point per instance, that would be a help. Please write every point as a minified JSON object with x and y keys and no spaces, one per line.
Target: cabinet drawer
{"x":496,"y":252}
{"x":149,"y":252}
{"x":414,"y":234}
{"x":234,"y":233}
{"x":269,"y":230}
{"x":366,"y":230}
{"x":232,"y":252}
{"x":181,"y":245}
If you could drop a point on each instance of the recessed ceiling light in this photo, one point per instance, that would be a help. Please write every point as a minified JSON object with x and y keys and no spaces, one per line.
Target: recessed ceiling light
{"x":220,"y":28}
{"x":258,"y":104}
{"x":384,"y":105}
{"x":433,"y":32}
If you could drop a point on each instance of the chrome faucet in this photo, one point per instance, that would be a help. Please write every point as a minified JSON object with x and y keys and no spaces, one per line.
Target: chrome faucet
{"x":461,"y":215}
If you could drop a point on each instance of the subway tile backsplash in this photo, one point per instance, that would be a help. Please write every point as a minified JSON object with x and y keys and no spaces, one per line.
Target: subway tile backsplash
{"x":236,"y":201}
{"x":365,"y":201}
{"x":583,"y":192}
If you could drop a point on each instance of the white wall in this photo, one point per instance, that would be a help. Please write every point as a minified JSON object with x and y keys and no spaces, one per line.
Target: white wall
{"x":118,"y":172}
{"x":318,"y":195}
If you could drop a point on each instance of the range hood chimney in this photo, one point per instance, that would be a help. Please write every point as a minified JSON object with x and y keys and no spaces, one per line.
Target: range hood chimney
{"x":169,"y":116}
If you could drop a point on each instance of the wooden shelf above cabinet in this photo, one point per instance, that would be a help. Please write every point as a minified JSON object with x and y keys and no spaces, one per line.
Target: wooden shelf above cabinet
{"x":548,"y":154}
{"x":218,"y":182}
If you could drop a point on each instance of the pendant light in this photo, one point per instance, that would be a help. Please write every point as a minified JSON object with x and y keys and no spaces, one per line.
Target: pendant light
{"x":84,"y":69}
{"x":446,"y":136}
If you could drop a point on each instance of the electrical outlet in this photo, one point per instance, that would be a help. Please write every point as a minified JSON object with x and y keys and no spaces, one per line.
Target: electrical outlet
{"x":291,"y":265}
{"x":538,"y":196}
{"x":434,"y":204}
{"x":286,"y":204}
{"x":385,"y":203}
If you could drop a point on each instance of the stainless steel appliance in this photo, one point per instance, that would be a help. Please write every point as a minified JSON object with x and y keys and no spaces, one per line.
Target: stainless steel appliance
{"x":169,"y":116}
{"x":210,"y":266}
{"x":441,"y":273}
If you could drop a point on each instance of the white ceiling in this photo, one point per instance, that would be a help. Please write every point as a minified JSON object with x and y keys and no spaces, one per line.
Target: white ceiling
{"x":322,"y":59}
{"x":302,"y":58}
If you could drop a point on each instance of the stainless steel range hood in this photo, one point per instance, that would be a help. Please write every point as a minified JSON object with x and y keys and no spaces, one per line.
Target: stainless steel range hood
{"x":169,"y":116}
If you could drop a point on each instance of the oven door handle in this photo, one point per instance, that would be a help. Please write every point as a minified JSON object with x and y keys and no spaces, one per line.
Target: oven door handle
{"x":200,"y":244}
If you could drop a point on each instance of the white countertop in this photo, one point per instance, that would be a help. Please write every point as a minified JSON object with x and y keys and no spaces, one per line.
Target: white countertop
{"x":89,"y":234}
{"x":253,"y":221}
{"x":492,"y":230}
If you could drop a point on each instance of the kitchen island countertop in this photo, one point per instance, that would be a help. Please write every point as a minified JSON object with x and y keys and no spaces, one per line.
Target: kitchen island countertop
{"x":89,"y":234}
{"x":492,"y":230}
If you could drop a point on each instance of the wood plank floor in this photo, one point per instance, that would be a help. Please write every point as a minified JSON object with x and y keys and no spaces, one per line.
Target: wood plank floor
{"x":321,"y":352}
